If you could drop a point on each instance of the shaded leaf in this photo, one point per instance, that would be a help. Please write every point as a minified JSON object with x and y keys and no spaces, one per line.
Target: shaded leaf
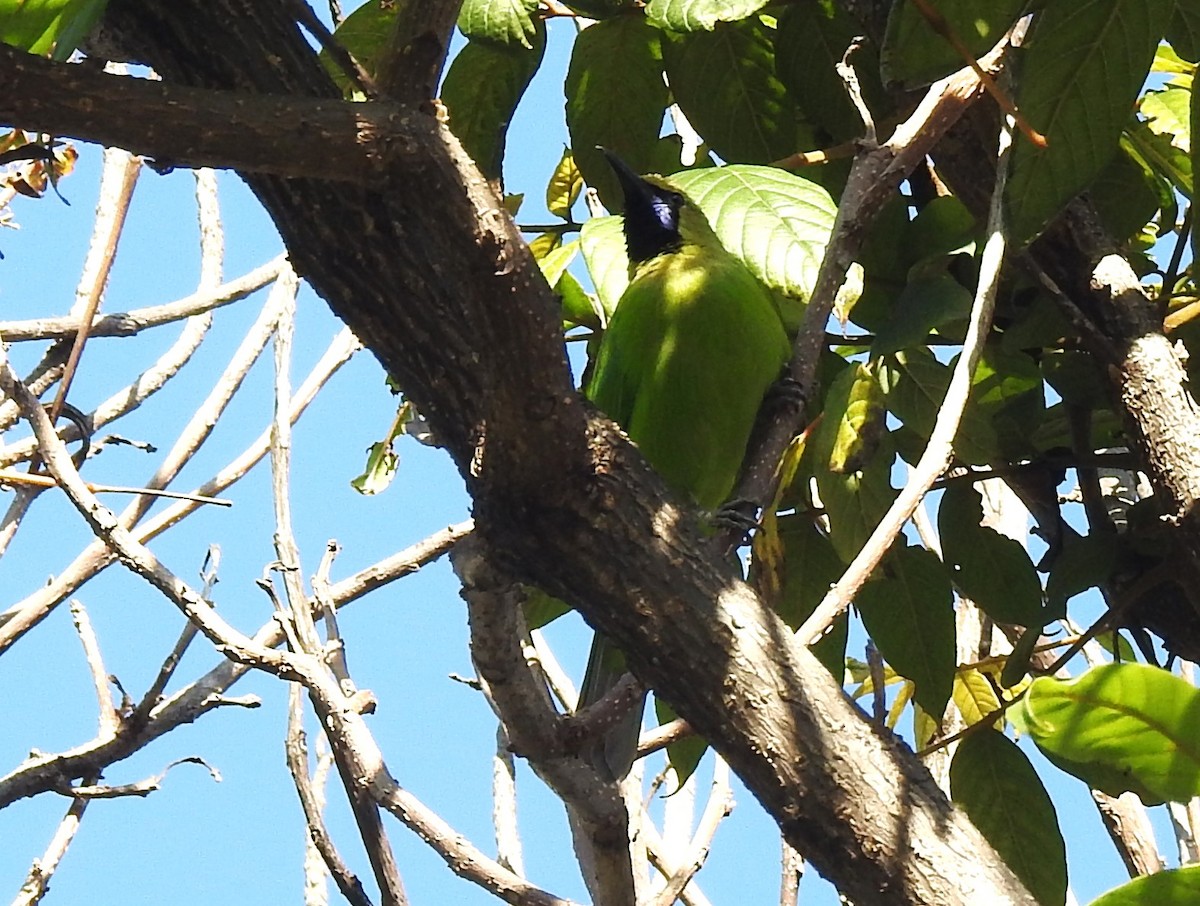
{"x":1084,"y":66}
{"x":908,"y":612}
{"x":994,"y":783}
{"x":812,"y":38}
{"x":724,"y":81}
{"x":914,"y":54}
{"x":991,"y":569}
{"x":924,"y":306}
{"x":481,"y":90}
{"x":615,"y":99}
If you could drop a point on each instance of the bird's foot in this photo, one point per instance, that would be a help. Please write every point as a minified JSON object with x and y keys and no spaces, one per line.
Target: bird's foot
{"x":737,"y":515}
{"x":787,"y":394}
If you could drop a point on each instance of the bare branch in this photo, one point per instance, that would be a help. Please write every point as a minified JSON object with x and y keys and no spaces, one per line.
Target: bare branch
{"x":720,"y":804}
{"x":296,"y":749}
{"x":127,"y":324}
{"x":940,"y":447}
{"x":141,"y":788}
{"x":37,"y":882}
{"x":109,"y":719}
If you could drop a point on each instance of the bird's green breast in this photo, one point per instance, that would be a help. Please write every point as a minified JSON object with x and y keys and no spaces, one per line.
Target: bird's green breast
{"x":688,"y":355}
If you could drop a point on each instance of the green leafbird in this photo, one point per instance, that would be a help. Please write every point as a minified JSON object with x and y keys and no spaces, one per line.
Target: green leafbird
{"x":692,"y":347}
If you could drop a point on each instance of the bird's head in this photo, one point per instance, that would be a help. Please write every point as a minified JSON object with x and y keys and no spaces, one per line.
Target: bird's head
{"x":652,"y":212}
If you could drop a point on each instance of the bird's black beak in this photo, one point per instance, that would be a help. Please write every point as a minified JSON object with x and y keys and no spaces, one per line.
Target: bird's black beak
{"x":633,"y":187}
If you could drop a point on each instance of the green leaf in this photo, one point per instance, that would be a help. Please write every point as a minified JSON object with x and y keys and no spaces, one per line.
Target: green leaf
{"x":994,"y":783}
{"x":482,"y":89}
{"x":915,"y":55}
{"x":1119,"y":727}
{"x":1166,"y":113}
{"x":777,"y":223}
{"x":601,"y":9}
{"x":603,"y":243}
{"x":1160,"y":153}
{"x":684,"y":754}
{"x":1076,"y":377}
{"x":811,"y":566}
{"x":699,"y":15}
{"x":1084,"y":66}
{"x":382,"y":463}
{"x":909,"y":614}
{"x":1006,"y":392}
{"x":541,"y":608}
{"x":1173,"y":887}
{"x":725,"y":83}
{"x":1128,"y":193}
{"x":856,"y":501}
{"x":851,"y":421}
{"x":812,"y":38}
{"x":564,"y":187}
{"x":943,"y":227}
{"x":991,"y":569}
{"x":915,"y":393}
{"x":1184,"y":33}
{"x":1082,"y":563}
{"x":579,"y":306}
{"x":365,"y":34}
{"x":505,"y":22}
{"x":51,"y":28}
{"x":615,"y":98}
{"x":925,"y":305}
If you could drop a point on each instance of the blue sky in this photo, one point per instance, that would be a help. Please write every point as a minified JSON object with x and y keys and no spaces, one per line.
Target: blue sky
{"x":240,"y":840}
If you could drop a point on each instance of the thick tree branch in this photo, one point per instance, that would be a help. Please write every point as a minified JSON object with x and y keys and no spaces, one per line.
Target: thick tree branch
{"x":428,"y":270}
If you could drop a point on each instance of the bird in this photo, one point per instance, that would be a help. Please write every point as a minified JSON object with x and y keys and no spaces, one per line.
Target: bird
{"x":691,"y":350}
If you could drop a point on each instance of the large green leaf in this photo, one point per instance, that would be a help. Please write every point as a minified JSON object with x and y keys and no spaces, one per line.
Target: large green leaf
{"x":776,"y":222}
{"x":482,"y":89}
{"x":915,"y":55}
{"x":915,"y":391}
{"x":1119,"y":727}
{"x":699,"y":15}
{"x":926,"y":304}
{"x":725,"y":82}
{"x":994,"y":783}
{"x":1173,"y":887}
{"x":991,"y":569}
{"x":603,"y":244}
{"x":908,"y":612}
{"x":811,"y":566}
{"x":48,"y":27}
{"x":856,"y":501}
{"x":505,"y":22}
{"x":1184,"y":33}
{"x":1006,"y":392}
{"x":812,"y":38}
{"x":851,"y":422}
{"x":615,"y":99}
{"x":1084,"y":66}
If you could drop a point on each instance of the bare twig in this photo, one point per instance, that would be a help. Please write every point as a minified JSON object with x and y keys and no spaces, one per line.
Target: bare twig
{"x":37,"y":882}
{"x":720,"y":804}
{"x":504,"y":806}
{"x":141,"y":788}
{"x":940,"y":448}
{"x":127,"y":324}
{"x":116,"y":190}
{"x":296,"y":749}
{"x":109,"y":719}
{"x":208,"y":576}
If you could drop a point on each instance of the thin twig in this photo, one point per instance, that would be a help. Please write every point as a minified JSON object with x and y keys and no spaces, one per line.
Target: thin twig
{"x":37,"y":882}
{"x":504,"y":805}
{"x":109,"y":719}
{"x":940,"y":448}
{"x":296,"y":749}
{"x":720,"y":804}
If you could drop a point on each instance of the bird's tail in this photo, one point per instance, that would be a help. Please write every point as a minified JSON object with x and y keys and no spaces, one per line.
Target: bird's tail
{"x":612,"y":753}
